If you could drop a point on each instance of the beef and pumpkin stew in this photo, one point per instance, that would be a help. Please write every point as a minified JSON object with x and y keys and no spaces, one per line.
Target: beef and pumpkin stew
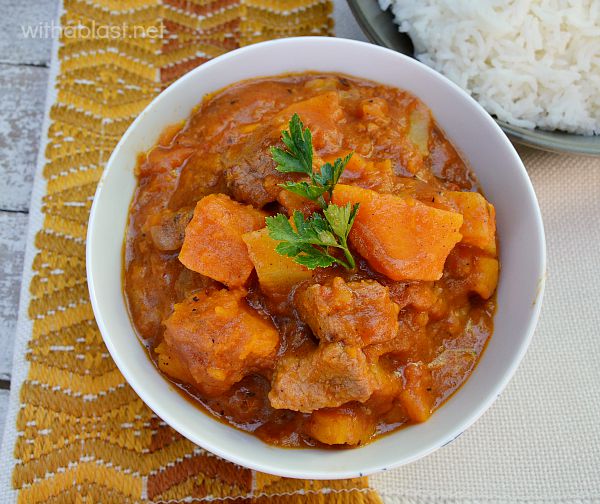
{"x":309,"y":259}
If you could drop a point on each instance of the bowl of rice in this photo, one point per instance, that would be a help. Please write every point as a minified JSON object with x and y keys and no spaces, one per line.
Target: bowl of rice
{"x":534,"y":65}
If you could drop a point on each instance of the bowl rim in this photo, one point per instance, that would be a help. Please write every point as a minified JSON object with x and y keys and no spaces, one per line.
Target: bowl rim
{"x":273,"y":468}
{"x":560,"y":142}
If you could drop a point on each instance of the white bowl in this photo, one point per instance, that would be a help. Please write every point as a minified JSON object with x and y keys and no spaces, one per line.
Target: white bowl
{"x":472,"y":131}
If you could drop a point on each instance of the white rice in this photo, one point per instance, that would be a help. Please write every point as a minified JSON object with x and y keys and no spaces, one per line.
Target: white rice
{"x":531,"y":63}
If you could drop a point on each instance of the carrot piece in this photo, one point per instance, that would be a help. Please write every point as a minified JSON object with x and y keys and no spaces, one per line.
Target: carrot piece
{"x":399,"y":236}
{"x":213,"y":244}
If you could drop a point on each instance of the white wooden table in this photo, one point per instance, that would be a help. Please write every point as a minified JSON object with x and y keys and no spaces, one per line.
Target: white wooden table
{"x":23,"y":78}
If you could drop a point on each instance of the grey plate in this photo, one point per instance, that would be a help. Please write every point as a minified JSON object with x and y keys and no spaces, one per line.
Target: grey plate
{"x":380,"y":28}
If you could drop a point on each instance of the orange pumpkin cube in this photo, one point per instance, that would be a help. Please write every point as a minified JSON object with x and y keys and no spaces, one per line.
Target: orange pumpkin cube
{"x":219,"y":339}
{"x":321,"y":114}
{"x":399,"y":236}
{"x":213,"y":244}
{"x":169,"y":363}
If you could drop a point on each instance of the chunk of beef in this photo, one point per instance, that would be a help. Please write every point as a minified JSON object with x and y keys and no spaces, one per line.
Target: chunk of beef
{"x":250,"y":172}
{"x":164,"y":159}
{"x":357,"y":313}
{"x":329,"y":376}
{"x":220,"y":339}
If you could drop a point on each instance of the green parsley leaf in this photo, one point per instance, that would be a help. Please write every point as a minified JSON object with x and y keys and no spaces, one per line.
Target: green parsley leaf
{"x":304,"y":189}
{"x":330,"y":174}
{"x":339,"y":218}
{"x":310,"y":257}
{"x":309,"y":241}
{"x":280,"y":228}
{"x":297,"y":157}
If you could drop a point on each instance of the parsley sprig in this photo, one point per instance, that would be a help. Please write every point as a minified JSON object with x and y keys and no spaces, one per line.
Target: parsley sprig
{"x":309,"y":241}
{"x":297,"y":157}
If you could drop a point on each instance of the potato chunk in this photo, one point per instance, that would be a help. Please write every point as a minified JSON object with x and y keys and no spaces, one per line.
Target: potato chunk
{"x":479,"y":219}
{"x":220,"y":339}
{"x":373,"y":108}
{"x":386,"y":391}
{"x":356,"y":313}
{"x":416,"y":397}
{"x":213,"y":244}
{"x":484,"y":276}
{"x":329,"y":376}
{"x":350,"y":424}
{"x":477,"y":272}
{"x":399,"y":236}
{"x":420,"y":127}
{"x":277,"y":274}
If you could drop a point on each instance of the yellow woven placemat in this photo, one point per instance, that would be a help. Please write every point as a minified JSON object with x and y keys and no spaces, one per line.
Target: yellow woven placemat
{"x":83,"y":435}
